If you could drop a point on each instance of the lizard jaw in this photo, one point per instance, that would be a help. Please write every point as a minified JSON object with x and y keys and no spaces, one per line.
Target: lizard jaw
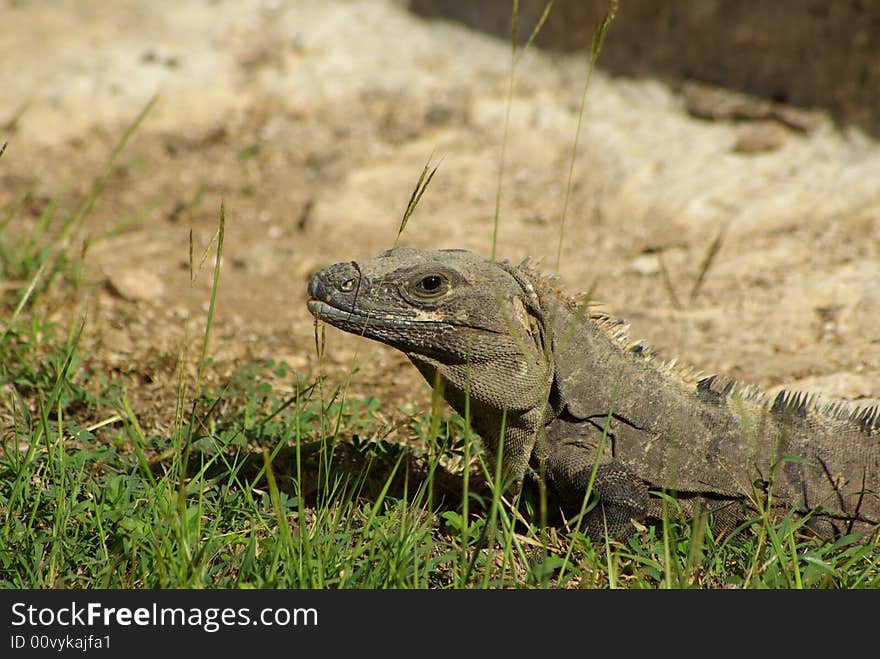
{"x":327,"y":312}
{"x":344,"y":318}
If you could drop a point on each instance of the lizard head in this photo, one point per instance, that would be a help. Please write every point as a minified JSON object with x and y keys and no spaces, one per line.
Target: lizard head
{"x":445,"y":309}
{"x":443,"y":302}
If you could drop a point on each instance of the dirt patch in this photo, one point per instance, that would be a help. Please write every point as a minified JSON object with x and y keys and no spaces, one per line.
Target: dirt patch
{"x":311,"y":122}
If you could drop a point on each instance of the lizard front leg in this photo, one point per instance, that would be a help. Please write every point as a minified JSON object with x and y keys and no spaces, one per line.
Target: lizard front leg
{"x":622,"y":495}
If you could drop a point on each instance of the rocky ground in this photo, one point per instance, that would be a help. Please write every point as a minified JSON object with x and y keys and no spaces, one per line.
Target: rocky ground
{"x":312,"y":120}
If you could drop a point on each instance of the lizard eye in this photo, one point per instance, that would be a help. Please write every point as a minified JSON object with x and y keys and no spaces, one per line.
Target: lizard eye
{"x":347,"y":286}
{"x":431,"y":284}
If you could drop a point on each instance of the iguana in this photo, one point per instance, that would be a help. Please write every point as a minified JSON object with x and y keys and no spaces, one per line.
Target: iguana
{"x":549,"y":381}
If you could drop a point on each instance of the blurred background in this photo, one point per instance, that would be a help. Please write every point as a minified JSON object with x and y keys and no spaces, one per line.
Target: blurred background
{"x":724,"y":196}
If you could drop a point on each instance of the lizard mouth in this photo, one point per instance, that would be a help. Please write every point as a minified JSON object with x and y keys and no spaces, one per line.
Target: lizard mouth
{"x":323,"y":310}
{"x":359,"y":321}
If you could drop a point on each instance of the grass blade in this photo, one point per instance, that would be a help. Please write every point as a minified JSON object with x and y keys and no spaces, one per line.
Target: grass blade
{"x":421,"y":185}
{"x":598,"y":40}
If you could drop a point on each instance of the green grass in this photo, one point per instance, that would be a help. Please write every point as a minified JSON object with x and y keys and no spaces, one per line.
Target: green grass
{"x":271,"y":478}
{"x":276,"y":488}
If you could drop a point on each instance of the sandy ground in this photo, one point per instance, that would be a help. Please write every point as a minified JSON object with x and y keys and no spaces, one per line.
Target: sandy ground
{"x":311,"y":121}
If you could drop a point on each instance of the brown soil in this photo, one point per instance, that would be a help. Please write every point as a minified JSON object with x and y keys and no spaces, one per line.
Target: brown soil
{"x":311,"y":122}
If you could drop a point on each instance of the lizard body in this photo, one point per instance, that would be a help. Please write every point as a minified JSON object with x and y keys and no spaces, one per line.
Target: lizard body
{"x":558,"y":389}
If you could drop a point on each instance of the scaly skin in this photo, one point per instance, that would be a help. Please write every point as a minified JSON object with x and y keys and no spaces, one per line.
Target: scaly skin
{"x":558,"y":389}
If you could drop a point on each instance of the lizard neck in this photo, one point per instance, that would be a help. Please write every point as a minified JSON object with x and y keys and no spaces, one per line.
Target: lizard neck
{"x":505,"y":407}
